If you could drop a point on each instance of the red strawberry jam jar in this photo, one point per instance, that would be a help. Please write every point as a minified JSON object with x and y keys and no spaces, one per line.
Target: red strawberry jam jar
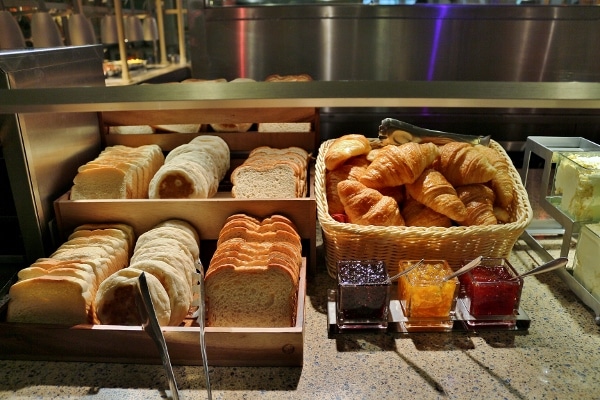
{"x":490,"y":293}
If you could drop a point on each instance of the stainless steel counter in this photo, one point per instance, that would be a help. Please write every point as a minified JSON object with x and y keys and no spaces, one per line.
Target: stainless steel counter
{"x":557,"y":358}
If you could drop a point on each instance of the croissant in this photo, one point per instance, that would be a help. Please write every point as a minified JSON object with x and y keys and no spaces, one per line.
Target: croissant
{"x":433,"y":190}
{"x":501,"y":214}
{"x":462,"y":165}
{"x":352,"y":169}
{"x":398,"y":165}
{"x":344,"y":148}
{"x":417,"y":214}
{"x":502,"y":182}
{"x":479,"y":201}
{"x":395,"y":192}
{"x":366,"y":206}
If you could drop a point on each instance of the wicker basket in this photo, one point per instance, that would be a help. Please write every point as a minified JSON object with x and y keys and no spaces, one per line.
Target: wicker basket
{"x":345,"y":241}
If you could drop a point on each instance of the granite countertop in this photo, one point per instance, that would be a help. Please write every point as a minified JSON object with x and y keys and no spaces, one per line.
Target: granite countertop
{"x":558,"y":357}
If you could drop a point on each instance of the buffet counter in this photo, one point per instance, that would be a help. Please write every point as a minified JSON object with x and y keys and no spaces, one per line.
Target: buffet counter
{"x":557,"y":357}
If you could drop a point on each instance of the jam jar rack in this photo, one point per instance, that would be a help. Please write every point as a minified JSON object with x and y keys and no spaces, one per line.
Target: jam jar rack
{"x":561,"y":223}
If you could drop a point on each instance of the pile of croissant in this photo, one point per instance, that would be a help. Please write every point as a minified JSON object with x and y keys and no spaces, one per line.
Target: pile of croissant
{"x":417,"y":184}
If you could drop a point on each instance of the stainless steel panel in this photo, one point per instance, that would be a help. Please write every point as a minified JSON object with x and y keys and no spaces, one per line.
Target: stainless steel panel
{"x":422,"y":42}
{"x":43,"y":150}
{"x":419,"y":42}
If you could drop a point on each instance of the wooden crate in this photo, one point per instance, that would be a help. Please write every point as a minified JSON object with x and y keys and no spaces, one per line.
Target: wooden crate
{"x":130,"y":344}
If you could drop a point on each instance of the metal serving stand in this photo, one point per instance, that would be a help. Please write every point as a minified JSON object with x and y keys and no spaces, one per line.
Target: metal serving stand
{"x":561,"y":223}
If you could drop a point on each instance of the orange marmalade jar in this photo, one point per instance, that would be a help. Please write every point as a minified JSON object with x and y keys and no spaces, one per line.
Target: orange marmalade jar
{"x":423,"y":293}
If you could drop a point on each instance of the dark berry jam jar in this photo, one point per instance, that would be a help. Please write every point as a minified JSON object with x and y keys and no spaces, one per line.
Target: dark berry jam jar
{"x":363,"y":294}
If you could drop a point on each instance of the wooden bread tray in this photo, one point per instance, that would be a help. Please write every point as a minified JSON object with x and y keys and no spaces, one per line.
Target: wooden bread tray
{"x":130,"y":344}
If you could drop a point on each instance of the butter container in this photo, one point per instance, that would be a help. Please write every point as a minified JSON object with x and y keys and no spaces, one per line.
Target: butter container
{"x":490,"y":294}
{"x":363,"y":294}
{"x":427,"y":301}
{"x":577,"y":182}
{"x":586,"y":268}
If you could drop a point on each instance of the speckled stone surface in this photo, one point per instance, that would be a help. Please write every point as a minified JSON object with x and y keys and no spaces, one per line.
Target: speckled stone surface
{"x":557,"y":358}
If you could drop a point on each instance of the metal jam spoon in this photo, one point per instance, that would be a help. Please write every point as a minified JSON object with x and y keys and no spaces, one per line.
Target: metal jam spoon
{"x":549,"y":266}
{"x":406,"y":271}
{"x":469,"y":266}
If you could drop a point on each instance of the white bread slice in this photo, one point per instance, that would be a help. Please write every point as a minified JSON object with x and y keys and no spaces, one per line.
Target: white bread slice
{"x":264,"y":181}
{"x":174,"y":283}
{"x":251,"y":296}
{"x":284,"y":127}
{"x":115,"y":299}
{"x":130,"y":129}
{"x":100,"y":183}
{"x":182,"y":180}
{"x":183,"y":225}
{"x":179,"y":128}
{"x":61,"y":300}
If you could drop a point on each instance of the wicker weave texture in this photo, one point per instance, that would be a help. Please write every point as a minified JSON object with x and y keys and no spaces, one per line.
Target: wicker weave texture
{"x":345,"y":241}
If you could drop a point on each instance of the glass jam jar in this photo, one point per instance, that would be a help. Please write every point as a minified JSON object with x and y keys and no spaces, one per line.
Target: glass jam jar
{"x":363,"y":294}
{"x":490,"y":293}
{"x":427,"y":300}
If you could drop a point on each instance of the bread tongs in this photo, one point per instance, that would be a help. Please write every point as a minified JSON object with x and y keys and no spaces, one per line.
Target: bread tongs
{"x":201,"y":315}
{"x":151,"y":326}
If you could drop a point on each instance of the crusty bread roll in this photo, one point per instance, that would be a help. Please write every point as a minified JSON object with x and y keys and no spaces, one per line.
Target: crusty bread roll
{"x":253,"y":276}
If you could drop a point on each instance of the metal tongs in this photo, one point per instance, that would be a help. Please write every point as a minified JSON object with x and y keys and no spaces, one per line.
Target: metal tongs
{"x":201,"y":316}
{"x":151,"y":326}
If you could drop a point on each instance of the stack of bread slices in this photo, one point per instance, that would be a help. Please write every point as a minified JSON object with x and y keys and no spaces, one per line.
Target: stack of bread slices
{"x":271,"y":173}
{"x":119,"y":172}
{"x":167,"y":254}
{"x":192,"y":170}
{"x":253,"y":276}
{"x":60,"y":289}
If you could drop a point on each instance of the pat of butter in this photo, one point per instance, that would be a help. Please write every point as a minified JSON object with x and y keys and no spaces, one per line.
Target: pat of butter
{"x":578,"y":181}
{"x":587,"y":267}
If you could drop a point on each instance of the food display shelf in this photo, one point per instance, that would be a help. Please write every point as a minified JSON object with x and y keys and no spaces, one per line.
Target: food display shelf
{"x":561,"y":223}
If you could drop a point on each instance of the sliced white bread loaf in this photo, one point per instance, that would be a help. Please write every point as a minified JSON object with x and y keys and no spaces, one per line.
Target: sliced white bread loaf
{"x":271,"y":173}
{"x":192,"y":170}
{"x":253,"y":276}
{"x":168,"y":252}
{"x":60,"y":289}
{"x":119,"y":172}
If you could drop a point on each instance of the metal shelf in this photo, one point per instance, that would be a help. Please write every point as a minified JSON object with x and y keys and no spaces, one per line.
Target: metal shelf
{"x":371,"y":94}
{"x":546,"y":147}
